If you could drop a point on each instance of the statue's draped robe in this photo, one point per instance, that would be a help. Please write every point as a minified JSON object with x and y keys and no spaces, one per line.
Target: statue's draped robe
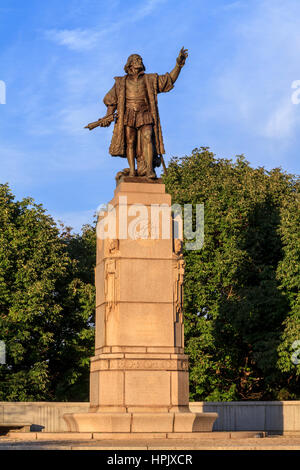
{"x":116,"y":97}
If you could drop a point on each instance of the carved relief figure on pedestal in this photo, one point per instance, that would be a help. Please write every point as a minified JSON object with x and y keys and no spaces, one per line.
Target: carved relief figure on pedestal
{"x":113,"y":247}
{"x":178,"y":269}
{"x":111,"y":250}
{"x":110,"y":284}
{"x":111,"y":273}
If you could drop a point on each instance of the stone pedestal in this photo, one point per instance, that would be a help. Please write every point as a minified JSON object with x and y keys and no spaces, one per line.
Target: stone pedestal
{"x":139,"y":380}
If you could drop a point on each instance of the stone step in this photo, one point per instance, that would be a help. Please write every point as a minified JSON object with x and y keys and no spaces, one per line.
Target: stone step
{"x":149,"y":437}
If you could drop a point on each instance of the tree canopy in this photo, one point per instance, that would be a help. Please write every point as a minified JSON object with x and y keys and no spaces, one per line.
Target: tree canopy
{"x":242,"y":288}
{"x":46,"y":304}
{"x":241,"y":300}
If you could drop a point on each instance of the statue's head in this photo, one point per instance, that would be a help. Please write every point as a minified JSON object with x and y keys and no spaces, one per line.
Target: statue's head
{"x":134,"y":64}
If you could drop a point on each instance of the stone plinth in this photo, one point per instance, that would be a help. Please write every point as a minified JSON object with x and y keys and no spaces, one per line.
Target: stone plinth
{"x":139,"y":375}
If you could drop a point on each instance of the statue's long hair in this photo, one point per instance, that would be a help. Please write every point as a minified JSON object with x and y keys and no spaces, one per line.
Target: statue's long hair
{"x":128,"y":63}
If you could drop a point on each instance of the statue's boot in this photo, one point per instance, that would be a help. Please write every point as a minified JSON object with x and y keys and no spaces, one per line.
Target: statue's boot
{"x":150,"y":171}
{"x":151,"y":174}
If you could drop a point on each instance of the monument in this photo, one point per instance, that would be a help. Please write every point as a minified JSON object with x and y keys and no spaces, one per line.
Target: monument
{"x":139,"y":379}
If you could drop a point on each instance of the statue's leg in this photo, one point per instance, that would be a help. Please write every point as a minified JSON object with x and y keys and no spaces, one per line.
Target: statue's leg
{"x":146,"y":131}
{"x":130,"y":133}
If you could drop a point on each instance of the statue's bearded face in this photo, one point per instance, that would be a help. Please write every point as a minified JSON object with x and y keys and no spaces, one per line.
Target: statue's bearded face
{"x":134,"y":64}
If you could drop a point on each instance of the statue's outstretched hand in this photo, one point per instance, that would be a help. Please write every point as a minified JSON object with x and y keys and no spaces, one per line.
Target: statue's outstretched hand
{"x":103,"y":122}
{"x":183,"y":54}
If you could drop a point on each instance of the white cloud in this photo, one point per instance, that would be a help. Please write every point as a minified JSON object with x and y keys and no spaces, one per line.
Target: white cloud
{"x":148,"y":7}
{"x":75,"y":39}
{"x":256,"y":79}
{"x":230,"y":6}
{"x":86,"y":39}
{"x":282,"y":122}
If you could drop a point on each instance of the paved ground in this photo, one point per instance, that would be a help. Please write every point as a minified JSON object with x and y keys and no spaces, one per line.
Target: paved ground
{"x":267,"y":443}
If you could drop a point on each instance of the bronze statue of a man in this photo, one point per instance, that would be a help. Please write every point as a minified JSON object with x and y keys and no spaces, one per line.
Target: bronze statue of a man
{"x":132,"y":103}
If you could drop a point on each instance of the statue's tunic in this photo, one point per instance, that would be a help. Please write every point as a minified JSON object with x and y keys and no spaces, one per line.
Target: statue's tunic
{"x":137,"y":109}
{"x":123,"y":98}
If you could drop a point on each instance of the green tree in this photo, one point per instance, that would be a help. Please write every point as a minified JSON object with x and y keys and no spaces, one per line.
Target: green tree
{"x":241,"y":289}
{"x":238,"y":307}
{"x":288,"y":274}
{"x":46,"y":304}
{"x":75,"y":338}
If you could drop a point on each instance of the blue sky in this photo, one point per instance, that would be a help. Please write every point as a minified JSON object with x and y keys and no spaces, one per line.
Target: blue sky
{"x":58,"y":60}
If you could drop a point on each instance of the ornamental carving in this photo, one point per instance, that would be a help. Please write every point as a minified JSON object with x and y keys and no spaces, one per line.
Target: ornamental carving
{"x":110,"y":284}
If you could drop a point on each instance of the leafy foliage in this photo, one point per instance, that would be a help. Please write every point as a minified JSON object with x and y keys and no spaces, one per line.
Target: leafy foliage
{"x":46,"y":304}
{"x":241,"y":304}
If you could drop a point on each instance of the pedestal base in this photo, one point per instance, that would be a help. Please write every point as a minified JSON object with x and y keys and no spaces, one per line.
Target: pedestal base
{"x":140,"y":422}
{"x":139,"y":381}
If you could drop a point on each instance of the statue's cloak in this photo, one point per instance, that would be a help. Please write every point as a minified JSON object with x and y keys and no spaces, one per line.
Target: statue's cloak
{"x":116,"y":97}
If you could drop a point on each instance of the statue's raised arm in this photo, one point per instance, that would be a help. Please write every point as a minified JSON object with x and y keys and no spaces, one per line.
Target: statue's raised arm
{"x":167,"y":80}
{"x":132,"y":104}
{"x":180,"y":62}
